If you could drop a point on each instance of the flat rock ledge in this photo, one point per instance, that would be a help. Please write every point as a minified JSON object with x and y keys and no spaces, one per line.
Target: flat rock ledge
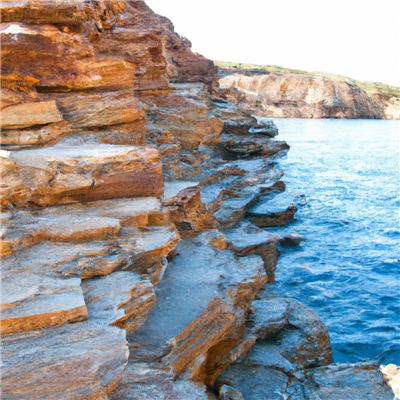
{"x":65,"y":174}
{"x":135,"y":195}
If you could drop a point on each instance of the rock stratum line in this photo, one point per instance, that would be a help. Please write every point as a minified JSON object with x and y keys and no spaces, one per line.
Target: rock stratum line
{"x":132,"y":196}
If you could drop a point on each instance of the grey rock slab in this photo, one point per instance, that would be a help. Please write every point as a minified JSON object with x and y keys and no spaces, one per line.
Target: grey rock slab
{"x":144,"y":382}
{"x":265,"y":127}
{"x":247,"y":236}
{"x":34,"y":296}
{"x":361,"y":381}
{"x":276,"y":210}
{"x":171,"y":189}
{"x":240,"y":195}
{"x":235,"y":120}
{"x":193,"y":279}
{"x":281,"y":334}
{"x":122,"y":299}
{"x":255,"y":382}
{"x":252,"y":144}
{"x":230,"y":393}
{"x":79,"y":361}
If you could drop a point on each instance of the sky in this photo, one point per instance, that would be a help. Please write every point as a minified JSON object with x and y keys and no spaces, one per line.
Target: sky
{"x":355,"y":38}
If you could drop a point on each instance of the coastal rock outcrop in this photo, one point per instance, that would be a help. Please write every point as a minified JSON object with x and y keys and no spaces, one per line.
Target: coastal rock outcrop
{"x":287,"y":95}
{"x":130,"y":266}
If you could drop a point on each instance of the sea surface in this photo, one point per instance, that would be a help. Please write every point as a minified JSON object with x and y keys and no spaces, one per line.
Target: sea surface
{"x":347,"y":266}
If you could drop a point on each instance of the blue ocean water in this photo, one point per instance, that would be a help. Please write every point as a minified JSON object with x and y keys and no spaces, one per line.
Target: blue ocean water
{"x":347,"y":267}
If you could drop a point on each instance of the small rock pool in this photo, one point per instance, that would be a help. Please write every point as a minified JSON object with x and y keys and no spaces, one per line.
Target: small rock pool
{"x":347,"y":266}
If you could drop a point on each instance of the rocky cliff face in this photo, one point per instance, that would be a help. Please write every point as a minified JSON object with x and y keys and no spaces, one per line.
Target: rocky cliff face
{"x":133,"y":265}
{"x":284,"y":95}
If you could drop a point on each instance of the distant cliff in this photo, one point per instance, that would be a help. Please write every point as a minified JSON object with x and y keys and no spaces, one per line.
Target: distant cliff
{"x":294,"y":95}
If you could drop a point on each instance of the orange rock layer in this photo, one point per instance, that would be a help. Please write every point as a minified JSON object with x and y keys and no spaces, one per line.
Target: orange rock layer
{"x":127,"y":271}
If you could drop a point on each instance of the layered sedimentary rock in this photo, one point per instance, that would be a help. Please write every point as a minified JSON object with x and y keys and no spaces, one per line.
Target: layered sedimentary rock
{"x":130,"y":266}
{"x":65,"y":174}
{"x":285,"y":95}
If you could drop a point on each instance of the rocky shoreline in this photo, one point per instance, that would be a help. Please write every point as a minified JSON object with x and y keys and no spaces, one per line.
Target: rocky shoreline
{"x":134,"y":263}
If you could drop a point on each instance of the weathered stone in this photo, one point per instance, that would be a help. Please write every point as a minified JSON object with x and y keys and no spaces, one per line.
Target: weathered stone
{"x":42,"y":12}
{"x":248,"y":239}
{"x":66,"y":174}
{"x":235,"y":121}
{"x":281,"y":334}
{"x":84,"y":360}
{"x":187,"y":212}
{"x":122,"y":299}
{"x":362,"y":381}
{"x":303,"y":343}
{"x":99,"y":109}
{"x":76,"y":277}
{"x":22,"y":139}
{"x":230,"y":393}
{"x":246,"y":183}
{"x":266,"y":359}
{"x":78,"y":222}
{"x":252,"y":144}
{"x":177,"y":118}
{"x":30,"y":114}
{"x":201,"y":307}
{"x":112,"y":235}
{"x":142,"y":382}
{"x":130,"y":134}
{"x":264,"y":127}
{"x":291,"y":239}
{"x":255,"y":382}
{"x":33,"y":296}
{"x":284,"y":95}
{"x":276,"y":210}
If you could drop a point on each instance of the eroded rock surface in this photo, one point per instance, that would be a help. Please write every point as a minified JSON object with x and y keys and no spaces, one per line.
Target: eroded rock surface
{"x":286,"y":95}
{"x":291,"y":359}
{"x":68,"y":174}
{"x":130,"y":268}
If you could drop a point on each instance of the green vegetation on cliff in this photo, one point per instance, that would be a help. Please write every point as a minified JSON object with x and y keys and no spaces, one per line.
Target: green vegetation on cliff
{"x":369,"y":87}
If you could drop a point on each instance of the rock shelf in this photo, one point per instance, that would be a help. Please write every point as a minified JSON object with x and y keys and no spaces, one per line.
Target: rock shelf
{"x":133,"y":192}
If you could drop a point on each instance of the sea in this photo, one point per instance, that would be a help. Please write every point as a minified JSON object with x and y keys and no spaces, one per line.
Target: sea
{"x":347,"y":265}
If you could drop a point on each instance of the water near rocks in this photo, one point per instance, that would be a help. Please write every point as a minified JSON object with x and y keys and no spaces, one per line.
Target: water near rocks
{"x":346,"y":267}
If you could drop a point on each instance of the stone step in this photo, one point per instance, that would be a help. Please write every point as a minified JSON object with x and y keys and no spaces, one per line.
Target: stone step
{"x":82,"y":222}
{"x":276,"y":210}
{"x":33,"y":296}
{"x":64,"y":174}
{"x":246,"y":238}
{"x":202,"y":303}
{"x":41,"y":285}
{"x":43,"y":269}
{"x":231,"y":191}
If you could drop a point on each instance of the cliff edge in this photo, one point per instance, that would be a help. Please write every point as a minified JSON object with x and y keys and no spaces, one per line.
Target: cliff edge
{"x":274,"y":92}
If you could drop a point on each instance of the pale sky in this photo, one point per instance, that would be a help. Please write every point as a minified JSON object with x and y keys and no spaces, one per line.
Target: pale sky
{"x":356,"y":38}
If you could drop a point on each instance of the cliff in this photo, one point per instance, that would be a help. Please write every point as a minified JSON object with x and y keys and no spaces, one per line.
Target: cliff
{"x":302,"y":95}
{"x":133,"y":192}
